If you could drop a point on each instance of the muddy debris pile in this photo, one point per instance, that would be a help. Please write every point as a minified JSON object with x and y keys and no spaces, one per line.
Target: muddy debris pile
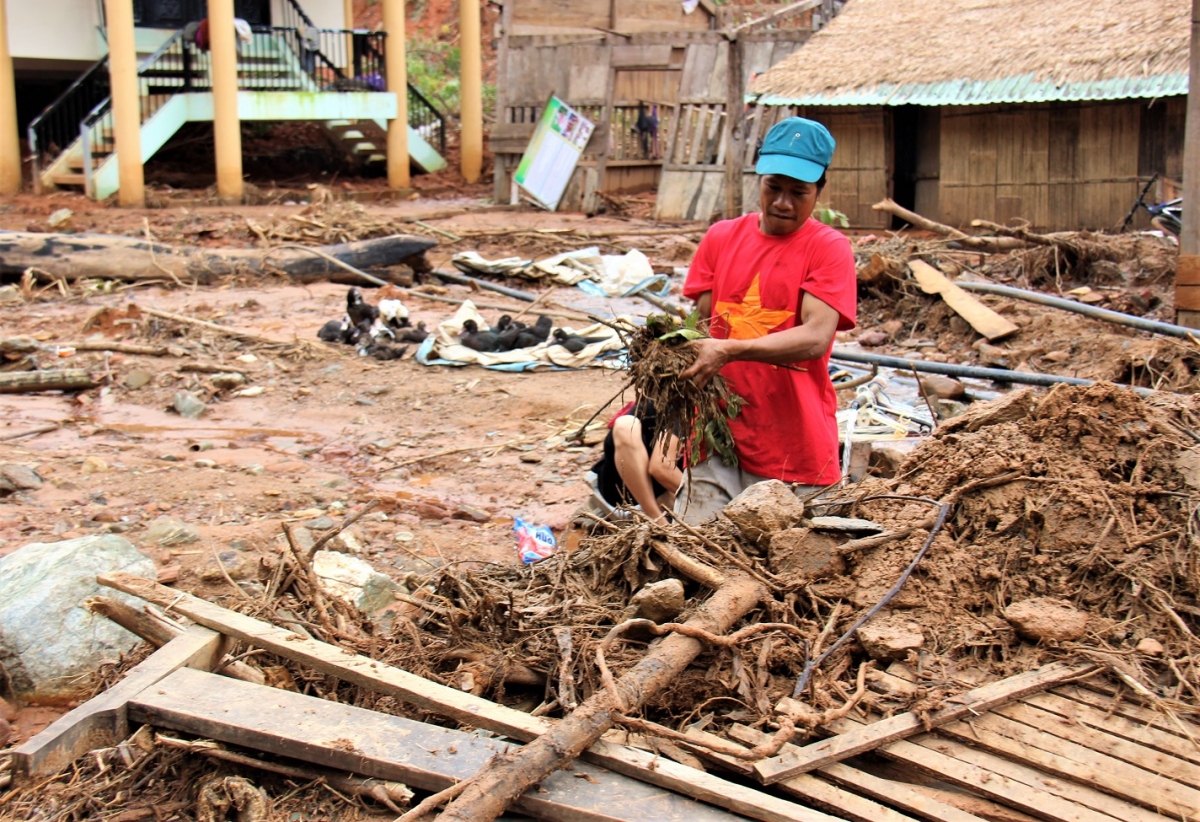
{"x":1043,"y":526}
{"x":1048,"y":525}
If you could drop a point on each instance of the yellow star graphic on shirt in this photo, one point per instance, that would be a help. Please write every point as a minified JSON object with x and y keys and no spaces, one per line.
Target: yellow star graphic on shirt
{"x":748,"y":319}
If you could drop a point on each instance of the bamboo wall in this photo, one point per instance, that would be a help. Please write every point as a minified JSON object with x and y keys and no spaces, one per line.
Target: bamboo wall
{"x":1057,"y":166}
{"x":861,"y":169}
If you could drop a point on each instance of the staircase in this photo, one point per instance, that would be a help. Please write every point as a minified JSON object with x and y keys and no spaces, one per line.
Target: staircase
{"x":295,"y":72}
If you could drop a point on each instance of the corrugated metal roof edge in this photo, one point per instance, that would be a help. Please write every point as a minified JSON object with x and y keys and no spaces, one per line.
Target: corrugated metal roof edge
{"x":1017,"y":89}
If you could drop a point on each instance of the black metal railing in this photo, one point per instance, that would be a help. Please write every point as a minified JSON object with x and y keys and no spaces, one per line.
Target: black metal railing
{"x":425,"y":119}
{"x":56,"y":128}
{"x":274,"y":58}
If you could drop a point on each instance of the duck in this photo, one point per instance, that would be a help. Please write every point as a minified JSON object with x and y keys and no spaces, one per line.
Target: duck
{"x":540,"y":332}
{"x":334,"y":331}
{"x":508,"y":332}
{"x":394,"y":313}
{"x":477,"y":340}
{"x":383,"y":351}
{"x":358,"y":309}
{"x":573,"y":342}
{"x":414,"y":335}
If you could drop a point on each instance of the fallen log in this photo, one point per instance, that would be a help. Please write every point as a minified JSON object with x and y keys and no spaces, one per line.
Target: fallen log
{"x":993,"y":244}
{"x":68,"y":379}
{"x":496,"y":786}
{"x":71,"y":257}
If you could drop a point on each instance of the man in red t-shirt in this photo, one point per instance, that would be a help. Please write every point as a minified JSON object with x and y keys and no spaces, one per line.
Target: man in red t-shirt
{"x":776,"y":286}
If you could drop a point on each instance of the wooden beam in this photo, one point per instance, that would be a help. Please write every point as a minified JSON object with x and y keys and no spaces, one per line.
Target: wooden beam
{"x":901,"y":726}
{"x":886,"y":790}
{"x":778,"y":14}
{"x":983,"y":319}
{"x":391,"y":747}
{"x":735,"y":104}
{"x":450,"y":702}
{"x":1072,"y":760}
{"x":25,"y":382}
{"x":1081,"y":714}
{"x":1100,"y":741}
{"x":1009,"y":783}
{"x":104,"y":720}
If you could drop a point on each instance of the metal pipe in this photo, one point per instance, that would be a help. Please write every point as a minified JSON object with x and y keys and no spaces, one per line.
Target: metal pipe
{"x":1105,"y":314}
{"x":972,"y":371}
{"x":463,"y":279}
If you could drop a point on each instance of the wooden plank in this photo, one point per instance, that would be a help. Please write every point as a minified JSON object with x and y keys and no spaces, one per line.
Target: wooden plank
{"x":390,"y":747}
{"x":1140,"y":714}
{"x":463,"y":707}
{"x":103,"y":721}
{"x":641,"y":56}
{"x":1069,"y":759}
{"x":1109,"y":807}
{"x":708,"y":195}
{"x":901,"y":726}
{"x":696,"y":135}
{"x":985,"y":780}
{"x":983,"y":319}
{"x":1098,"y":740}
{"x":885,"y":790}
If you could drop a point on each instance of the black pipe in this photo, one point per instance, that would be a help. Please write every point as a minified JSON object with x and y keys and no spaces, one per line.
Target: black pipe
{"x":463,"y":279}
{"x":1105,"y":314}
{"x":972,"y":371}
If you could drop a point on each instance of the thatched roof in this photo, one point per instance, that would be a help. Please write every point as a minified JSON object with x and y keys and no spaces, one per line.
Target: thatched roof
{"x":892,"y":52}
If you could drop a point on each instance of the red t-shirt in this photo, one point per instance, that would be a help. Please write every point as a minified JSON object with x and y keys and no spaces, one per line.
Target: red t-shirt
{"x":787,"y":429}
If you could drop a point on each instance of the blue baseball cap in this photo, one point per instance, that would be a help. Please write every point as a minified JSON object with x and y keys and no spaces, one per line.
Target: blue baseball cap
{"x":796,"y":148}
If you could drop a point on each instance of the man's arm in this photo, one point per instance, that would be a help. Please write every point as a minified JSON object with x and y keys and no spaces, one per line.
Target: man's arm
{"x":807,"y":341}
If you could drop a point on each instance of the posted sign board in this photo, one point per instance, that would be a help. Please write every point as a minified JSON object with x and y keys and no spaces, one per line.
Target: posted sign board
{"x":553,"y":152}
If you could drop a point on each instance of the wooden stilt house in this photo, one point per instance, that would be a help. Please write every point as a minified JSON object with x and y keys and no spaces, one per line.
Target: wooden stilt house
{"x":1054,"y":112}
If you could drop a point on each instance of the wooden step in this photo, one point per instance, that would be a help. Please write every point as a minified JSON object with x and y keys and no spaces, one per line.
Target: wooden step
{"x":69,"y":180}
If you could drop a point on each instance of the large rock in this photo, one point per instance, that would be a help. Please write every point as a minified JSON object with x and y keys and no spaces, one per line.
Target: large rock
{"x":354,"y":580}
{"x":1048,"y":619}
{"x":16,"y":477}
{"x":659,"y":602}
{"x":806,"y":553}
{"x":49,"y":642}
{"x":890,"y":637}
{"x":763,"y":509}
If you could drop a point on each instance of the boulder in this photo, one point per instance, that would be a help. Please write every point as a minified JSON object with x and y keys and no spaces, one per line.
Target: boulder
{"x":354,"y":580}
{"x":889,"y":637}
{"x":168,"y":531}
{"x":659,"y":602}
{"x":5,"y":733}
{"x":15,"y":477}
{"x":49,"y":642}
{"x":1048,"y":619}
{"x":806,"y":553}
{"x":236,"y":564}
{"x":763,"y":509}
{"x":944,"y":388}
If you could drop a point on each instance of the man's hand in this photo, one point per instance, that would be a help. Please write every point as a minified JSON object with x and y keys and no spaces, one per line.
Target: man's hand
{"x":711,"y":357}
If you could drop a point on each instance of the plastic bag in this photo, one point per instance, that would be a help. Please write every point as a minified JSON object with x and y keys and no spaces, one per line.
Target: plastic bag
{"x":534,"y":542}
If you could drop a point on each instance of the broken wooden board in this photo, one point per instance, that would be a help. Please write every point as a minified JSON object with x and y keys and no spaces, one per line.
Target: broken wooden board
{"x":983,"y":319}
{"x":103,"y":721}
{"x":901,"y":726}
{"x":1009,"y":783}
{"x":885,"y":790}
{"x":470,"y":710}
{"x":390,"y":747}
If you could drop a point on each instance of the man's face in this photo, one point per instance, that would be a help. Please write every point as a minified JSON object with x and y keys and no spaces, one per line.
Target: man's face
{"x":785,"y":202}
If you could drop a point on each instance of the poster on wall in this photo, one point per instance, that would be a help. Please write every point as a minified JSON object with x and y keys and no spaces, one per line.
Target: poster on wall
{"x":553,"y":152}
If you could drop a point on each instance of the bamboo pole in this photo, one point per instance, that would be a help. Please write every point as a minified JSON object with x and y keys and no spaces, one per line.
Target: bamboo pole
{"x":227,"y":126}
{"x":471,"y":84}
{"x":126,"y":102}
{"x":397,"y":83}
{"x":10,"y":141}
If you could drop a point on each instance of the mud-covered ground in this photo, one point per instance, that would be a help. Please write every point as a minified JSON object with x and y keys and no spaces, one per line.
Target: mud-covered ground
{"x":452,"y":454}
